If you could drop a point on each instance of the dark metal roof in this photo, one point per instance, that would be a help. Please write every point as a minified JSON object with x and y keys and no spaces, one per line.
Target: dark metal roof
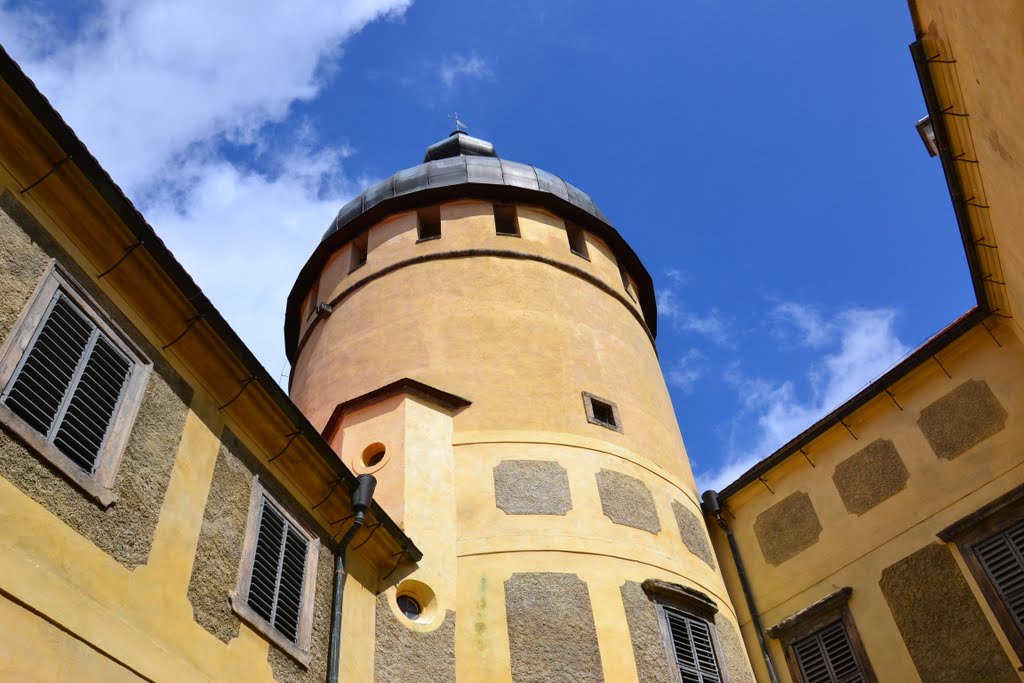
{"x":464,"y":167}
{"x":462,"y":170}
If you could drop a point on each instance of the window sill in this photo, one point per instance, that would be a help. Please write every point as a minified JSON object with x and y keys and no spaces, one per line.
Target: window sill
{"x":263,"y":627}
{"x":428,"y":239}
{"x":585,"y":257}
{"x":508,"y":234}
{"x":100,"y":494}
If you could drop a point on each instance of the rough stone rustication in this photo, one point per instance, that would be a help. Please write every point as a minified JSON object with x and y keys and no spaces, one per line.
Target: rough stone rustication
{"x":125,"y":530}
{"x":962,"y":419}
{"x":551,"y":633}
{"x":942,"y":625}
{"x":870,"y":476}
{"x":693,"y":533}
{"x":407,"y":656}
{"x":652,"y":662}
{"x":22,"y":259}
{"x":219,"y":554}
{"x":219,"y":551}
{"x":733,"y":652}
{"x":787,"y":528}
{"x":626,"y":500}
{"x":531,"y":487}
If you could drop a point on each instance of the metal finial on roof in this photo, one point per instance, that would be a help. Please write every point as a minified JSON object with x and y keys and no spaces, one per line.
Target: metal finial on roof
{"x":459,"y":123}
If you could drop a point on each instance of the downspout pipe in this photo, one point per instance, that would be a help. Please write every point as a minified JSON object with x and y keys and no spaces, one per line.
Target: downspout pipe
{"x":712,"y":506}
{"x":361,"y":499}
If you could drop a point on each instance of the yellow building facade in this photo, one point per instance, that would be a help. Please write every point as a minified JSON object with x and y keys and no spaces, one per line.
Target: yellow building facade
{"x":474,"y":334}
{"x":883,"y":542}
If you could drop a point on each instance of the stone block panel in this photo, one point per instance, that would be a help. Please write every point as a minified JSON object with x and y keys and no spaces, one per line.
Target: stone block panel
{"x":531,"y":487}
{"x":962,"y":419}
{"x":551,"y":632}
{"x":403,"y":655}
{"x":652,"y":662}
{"x":869,"y":476}
{"x":787,"y":528}
{"x":733,"y":651}
{"x":626,"y":500}
{"x":693,"y":533}
{"x":942,"y":625}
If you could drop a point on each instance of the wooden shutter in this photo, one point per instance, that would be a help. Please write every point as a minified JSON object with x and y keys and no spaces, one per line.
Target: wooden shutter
{"x":69,"y":384}
{"x":826,"y":656}
{"x":1002,"y":557}
{"x":692,"y":646}
{"x":278,"y":572}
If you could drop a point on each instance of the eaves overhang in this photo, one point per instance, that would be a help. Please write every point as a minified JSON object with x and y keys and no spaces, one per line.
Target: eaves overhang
{"x":76,"y":154}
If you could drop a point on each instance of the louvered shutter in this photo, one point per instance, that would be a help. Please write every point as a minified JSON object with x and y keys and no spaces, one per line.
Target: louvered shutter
{"x":827,"y":656}
{"x":692,"y":646}
{"x":278,"y":572}
{"x":69,"y":383}
{"x":1002,"y":556}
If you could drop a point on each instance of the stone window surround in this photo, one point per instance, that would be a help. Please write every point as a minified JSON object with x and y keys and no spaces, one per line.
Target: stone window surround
{"x":983,"y":523}
{"x":813,"y":618}
{"x":97,"y":486}
{"x":299,"y":650}
{"x":695,"y":604}
{"x":588,"y":405}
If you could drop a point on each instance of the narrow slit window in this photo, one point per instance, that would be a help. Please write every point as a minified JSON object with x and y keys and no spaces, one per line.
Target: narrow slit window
{"x":506,"y":222}
{"x":359,"y":250}
{"x":276,"y":585}
{"x":577,"y":240}
{"x":628,"y":284}
{"x":428,"y":223}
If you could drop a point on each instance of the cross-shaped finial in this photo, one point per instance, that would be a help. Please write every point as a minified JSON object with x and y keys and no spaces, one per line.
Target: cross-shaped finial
{"x":459,"y":124}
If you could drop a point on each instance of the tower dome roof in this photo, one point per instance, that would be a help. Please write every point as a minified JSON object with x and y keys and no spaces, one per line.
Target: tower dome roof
{"x":458,"y":161}
{"x":464,"y":167}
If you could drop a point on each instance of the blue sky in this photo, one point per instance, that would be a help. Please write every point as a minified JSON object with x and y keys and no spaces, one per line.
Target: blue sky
{"x":760,"y":157}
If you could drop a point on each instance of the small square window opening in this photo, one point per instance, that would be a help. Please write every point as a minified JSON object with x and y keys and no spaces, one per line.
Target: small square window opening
{"x":506,"y":221}
{"x":577,"y":240}
{"x":602,"y":412}
{"x":428,"y":223}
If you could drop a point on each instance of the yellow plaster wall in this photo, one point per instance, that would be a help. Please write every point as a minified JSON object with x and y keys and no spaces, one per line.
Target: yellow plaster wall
{"x":853,"y":550}
{"x":985,"y":39}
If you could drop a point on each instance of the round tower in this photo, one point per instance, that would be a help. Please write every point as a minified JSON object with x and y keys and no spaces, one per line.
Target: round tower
{"x":476,"y":334}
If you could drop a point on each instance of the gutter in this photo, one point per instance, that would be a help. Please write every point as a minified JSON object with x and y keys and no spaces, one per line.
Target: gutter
{"x":101,"y":181}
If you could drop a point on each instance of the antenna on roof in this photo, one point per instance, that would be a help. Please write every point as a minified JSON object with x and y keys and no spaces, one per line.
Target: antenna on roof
{"x":459,"y":123}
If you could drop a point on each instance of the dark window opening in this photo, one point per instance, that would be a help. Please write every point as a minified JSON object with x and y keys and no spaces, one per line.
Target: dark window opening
{"x":428,"y":223}
{"x":602,"y":412}
{"x":627,"y":284}
{"x":577,"y":240}
{"x":506,"y":222}
{"x":409,"y":607}
{"x":359,"y":250}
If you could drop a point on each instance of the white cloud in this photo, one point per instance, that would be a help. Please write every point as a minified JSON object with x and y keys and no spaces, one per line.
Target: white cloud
{"x":864,"y":344}
{"x":456,"y":68}
{"x":159,"y":89}
{"x":712,"y":325}
{"x":686,"y":370}
{"x":813,"y":330}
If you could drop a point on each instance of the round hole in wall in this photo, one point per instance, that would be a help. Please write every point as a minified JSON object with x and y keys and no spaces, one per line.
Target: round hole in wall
{"x":373,"y":454}
{"x":409,"y":607}
{"x":416,"y":600}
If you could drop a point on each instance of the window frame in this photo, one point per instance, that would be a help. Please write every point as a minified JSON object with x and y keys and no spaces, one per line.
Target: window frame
{"x":984,"y":523}
{"x":693,"y":604}
{"x":300,"y":649}
{"x":99,"y":485}
{"x":588,"y":405}
{"x":813,"y":619}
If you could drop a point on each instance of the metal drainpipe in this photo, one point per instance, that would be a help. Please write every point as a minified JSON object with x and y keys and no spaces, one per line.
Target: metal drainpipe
{"x":712,"y":505}
{"x":360,"y":504}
